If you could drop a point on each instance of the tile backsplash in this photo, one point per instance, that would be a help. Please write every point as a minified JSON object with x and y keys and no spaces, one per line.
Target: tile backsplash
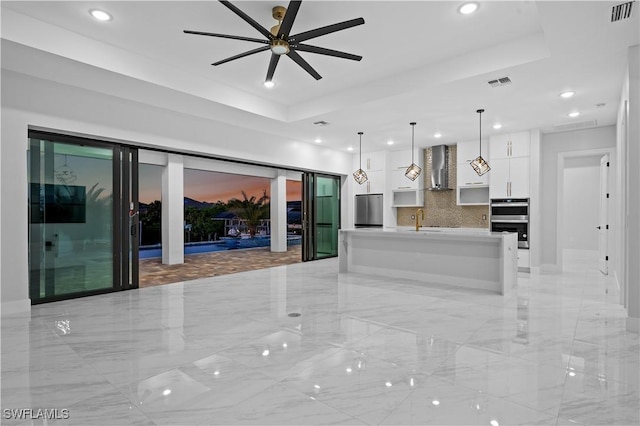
{"x":440,"y":207}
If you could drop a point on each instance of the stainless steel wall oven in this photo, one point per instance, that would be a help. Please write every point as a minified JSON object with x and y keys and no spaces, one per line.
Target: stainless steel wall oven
{"x":511,"y":215}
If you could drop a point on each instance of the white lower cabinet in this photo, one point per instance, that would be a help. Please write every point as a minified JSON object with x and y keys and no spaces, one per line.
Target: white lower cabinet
{"x":524,"y":260}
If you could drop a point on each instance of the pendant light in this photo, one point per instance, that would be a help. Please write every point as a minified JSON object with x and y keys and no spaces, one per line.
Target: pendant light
{"x":359,"y":175}
{"x":413,"y":171}
{"x":480,"y":165}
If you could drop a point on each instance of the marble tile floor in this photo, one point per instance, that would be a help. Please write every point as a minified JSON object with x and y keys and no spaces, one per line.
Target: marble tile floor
{"x":302,"y":344}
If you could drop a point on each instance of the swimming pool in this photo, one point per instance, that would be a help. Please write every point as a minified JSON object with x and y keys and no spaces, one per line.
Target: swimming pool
{"x":148,"y":252}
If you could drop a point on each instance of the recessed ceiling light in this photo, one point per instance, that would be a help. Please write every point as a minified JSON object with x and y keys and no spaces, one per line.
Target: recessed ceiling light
{"x":574,"y":114}
{"x":437,"y":135}
{"x":100,"y":15}
{"x":350,"y":148}
{"x":497,"y":126}
{"x":269,"y":84}
{"x":567,"y":94}
{"x":318,"y":140}
{"x":468,"y":8}
{"x":389,"y":142}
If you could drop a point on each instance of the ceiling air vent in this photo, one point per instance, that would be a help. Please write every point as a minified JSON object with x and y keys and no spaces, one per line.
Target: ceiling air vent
{"x":500,"y":82}
{"x":575,"y":126}
{"x":321,"y":123}
{"x":621,"y":11}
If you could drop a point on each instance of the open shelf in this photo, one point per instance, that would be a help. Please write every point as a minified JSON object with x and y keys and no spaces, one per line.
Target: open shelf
{"x":408,"y":198}
{"x":473,"y":195}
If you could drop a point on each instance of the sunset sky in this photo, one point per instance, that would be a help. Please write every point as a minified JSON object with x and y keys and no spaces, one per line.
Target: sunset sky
{"x":210,"y":186}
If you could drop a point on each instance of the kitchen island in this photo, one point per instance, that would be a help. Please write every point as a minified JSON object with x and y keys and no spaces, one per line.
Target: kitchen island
{"x":476,"y":259}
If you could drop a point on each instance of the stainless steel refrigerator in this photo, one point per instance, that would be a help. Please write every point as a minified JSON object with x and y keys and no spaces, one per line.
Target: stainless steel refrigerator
{"x":368,"y":211}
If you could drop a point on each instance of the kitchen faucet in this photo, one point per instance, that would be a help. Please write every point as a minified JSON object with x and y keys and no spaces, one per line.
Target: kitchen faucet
{"x":419,"y":217}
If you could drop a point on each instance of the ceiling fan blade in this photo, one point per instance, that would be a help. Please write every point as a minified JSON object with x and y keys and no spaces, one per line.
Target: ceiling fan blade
{"x":323,"y":51}
{"x":241,"y":55}
{"x":289,"y":17}
{"x":248,"y":19}
{"x":304,"y":64}
{"x":256,"y":40}
{"x":272,"y":66}
{"x":325,"y":30}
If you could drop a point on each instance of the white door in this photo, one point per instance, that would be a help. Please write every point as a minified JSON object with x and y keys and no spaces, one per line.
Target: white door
{"x":603,"y":220}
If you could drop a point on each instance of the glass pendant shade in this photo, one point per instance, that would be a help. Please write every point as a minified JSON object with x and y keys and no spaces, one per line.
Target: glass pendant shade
{"x":359,"y":175}
{"x":480,"y":165}
{"x":413,"y":171}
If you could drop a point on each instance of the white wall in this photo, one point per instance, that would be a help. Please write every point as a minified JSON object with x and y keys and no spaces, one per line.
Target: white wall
{"x":551,"y":146}
{"x":628,"y":185}
{"x":581,"y":207}
{"x":29,"y":101}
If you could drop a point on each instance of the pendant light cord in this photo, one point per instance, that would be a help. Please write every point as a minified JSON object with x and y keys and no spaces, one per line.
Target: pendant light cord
{"x":360,"y":133}
{"x":413,"y":128}
{"x":480,"y":111}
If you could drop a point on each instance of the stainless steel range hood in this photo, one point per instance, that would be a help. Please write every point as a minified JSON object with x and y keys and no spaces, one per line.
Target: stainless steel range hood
{"x":439,"y":168}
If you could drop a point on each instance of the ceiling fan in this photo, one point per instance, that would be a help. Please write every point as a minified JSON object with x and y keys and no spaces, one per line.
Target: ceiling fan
{"x":280,"y":42}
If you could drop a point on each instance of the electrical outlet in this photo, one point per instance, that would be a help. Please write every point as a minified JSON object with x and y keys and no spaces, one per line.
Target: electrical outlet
{"x":484,"y":217}
{"x":413,"y":217}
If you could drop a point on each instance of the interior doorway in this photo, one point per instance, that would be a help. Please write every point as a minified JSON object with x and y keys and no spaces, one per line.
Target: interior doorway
{"x":584,"y":203}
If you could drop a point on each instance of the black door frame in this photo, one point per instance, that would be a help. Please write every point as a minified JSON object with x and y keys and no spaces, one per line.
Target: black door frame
{"x":125,"y":221}
{"x":309,"y":214}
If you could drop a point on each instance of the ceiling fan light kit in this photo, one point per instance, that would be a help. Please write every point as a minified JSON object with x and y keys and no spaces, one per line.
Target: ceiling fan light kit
{"x":280,"y":42}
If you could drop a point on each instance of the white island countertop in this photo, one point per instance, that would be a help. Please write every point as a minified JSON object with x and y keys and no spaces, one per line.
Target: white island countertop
{"x":463,"y":257}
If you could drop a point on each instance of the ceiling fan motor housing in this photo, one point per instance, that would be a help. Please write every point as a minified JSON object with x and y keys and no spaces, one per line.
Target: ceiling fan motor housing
{"x":279,"y":47}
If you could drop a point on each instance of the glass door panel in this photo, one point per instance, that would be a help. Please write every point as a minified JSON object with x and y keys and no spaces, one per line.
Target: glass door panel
{"x":327,"y":216}
{"x":321,"y":216}
{"x":71,"y":219}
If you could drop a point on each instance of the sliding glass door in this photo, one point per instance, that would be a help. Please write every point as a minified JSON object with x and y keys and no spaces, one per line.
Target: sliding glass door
{"x":80,"y":239}
{"x":321,"y":216}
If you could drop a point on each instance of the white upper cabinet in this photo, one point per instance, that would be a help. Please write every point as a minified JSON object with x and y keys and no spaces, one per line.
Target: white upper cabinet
{"x":519,"y":177}
{"x":468,"y":151}
{"x":398,"y":162}
{"x":373,"y":165}
{"x":466,"y":176}
{"x":471,"y":188}
{"x":500,"y":179}
{"x":509,"y":145}
{"x":373,"y":161}
{"x":509,"y":162}
{"x":404,"y":191}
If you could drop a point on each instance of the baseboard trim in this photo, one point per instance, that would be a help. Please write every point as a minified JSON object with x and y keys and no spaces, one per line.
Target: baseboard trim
{"x":15,"y":307}
{"x":633,"y":324}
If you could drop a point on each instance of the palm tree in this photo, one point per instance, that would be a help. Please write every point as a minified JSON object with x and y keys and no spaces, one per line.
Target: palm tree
{"x":251,"y":210}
